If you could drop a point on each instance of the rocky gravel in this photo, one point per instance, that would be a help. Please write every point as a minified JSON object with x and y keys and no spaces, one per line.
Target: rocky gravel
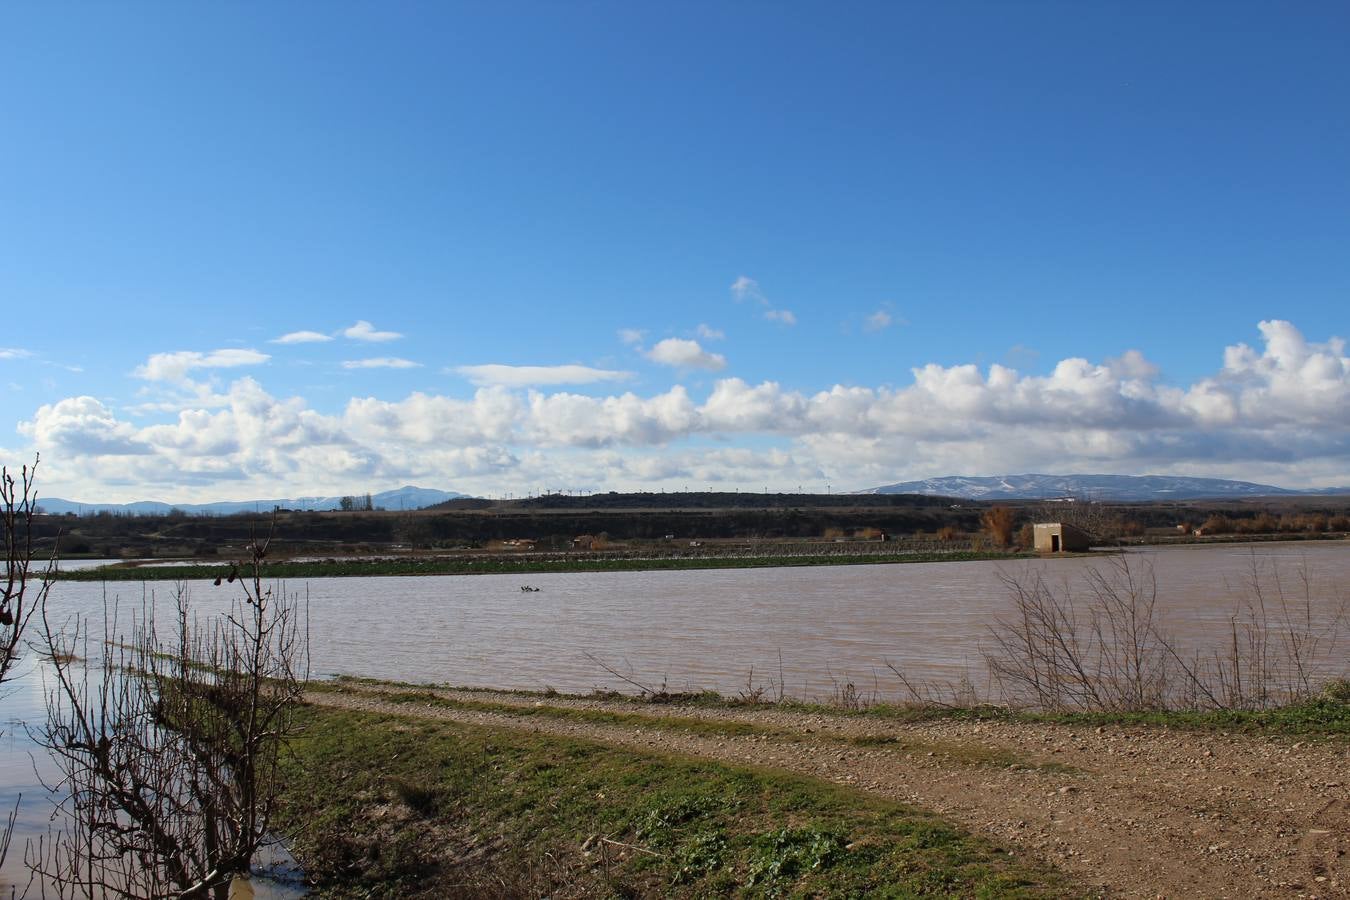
{"x":1129,"y":811}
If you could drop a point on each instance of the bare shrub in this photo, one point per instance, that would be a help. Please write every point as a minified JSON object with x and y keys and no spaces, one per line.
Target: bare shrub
{"x":1281,"y":646}
{"x":1103,"y":646}
{"x":18,"y":505}
{"x":936,"y":694}
{"x":1098,"y":650}
{"x":168,"y":753}
{"x":18,"y":594}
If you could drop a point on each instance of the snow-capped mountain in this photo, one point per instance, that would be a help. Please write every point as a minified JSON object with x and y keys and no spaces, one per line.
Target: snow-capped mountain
{"x":1091,"y":487}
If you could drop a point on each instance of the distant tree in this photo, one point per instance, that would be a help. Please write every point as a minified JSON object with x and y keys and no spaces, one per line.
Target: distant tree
{"x":347,"y":503}
{"x":370,"y":503}
{"x":997,"y":521}
{"x":1217,"y":524}
{"x":1098,"y":519}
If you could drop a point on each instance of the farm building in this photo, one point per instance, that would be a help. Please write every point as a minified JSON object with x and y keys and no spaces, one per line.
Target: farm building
{"x":1059,"y":537}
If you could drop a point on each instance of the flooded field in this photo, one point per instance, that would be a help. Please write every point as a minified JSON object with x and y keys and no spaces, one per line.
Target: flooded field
{"x":691,"y":630}
{"x":706,"y":628}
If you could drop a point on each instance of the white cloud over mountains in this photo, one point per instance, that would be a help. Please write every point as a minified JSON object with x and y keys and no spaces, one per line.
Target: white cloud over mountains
{"x":1280,"y":412}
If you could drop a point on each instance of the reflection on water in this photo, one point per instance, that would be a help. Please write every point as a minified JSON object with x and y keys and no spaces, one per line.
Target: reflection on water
{"x":692,"y":629}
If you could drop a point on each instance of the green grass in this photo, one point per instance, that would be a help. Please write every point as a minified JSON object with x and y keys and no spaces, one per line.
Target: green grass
{"x":506,"y":566}
{"x":1328,"y":715}
{"x":1324,"y":716}
{"x":387,"y":806}
{"x":950,"y":752}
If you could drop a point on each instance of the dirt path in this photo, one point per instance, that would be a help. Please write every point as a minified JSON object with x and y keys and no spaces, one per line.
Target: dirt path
{"x":1137,"y":812}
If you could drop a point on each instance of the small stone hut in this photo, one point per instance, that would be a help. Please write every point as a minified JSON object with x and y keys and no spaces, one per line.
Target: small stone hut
{"x":1060,"y":537}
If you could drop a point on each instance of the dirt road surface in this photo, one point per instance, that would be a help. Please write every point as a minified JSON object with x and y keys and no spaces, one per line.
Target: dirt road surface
{"x":1128,"y":811}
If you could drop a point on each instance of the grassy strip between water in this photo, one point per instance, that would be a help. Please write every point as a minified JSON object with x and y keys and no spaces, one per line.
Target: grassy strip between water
{"x":387,"y":806}
{"x":960,"y":754}
{"x":357,"y":568}
{"x":1324,"y":716}
{"x":1327,"y":715}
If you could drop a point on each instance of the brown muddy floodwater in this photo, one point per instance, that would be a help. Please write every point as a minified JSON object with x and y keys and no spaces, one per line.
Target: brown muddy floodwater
{"x":700,"y":629}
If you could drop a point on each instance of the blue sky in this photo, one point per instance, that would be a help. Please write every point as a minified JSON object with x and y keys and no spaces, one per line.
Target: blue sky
{"x":601,"y":245}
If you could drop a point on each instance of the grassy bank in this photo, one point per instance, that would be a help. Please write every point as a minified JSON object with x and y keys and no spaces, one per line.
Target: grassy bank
{"x":383,"y":806}
{"x":506,"y":565}
{"x":958,"y":754}
{"x":1326,"y":715}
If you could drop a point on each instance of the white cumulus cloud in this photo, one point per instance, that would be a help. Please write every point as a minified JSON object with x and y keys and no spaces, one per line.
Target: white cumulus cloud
{"x":364,"y":331}
{"x":174,"y":367}
{"x":302,"y":337}
{"x":781,"y":316}
{"x":686,"y":354}
{"x":1277,"y":412}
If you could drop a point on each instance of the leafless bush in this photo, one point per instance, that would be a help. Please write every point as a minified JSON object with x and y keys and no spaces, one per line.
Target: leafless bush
{"x":18,"y":594}
{"x":1281,"y":644}
{"x":960,"y":693}
{"x":647,"y":693}
{"x":846,"y":695}
{"x":168,"y":753}
{"x":772,"y":690}
{"x":752,"y":694}
{"x":18,"y":505}
{"x":1104,"y":647}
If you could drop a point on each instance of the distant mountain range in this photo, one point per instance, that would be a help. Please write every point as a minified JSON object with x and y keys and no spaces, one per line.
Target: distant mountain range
{"x":1092,"y":487}
{"x":407,"y":497}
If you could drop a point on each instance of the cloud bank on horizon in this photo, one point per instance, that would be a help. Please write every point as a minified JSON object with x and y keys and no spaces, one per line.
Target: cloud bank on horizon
{"x":1278,"y":413}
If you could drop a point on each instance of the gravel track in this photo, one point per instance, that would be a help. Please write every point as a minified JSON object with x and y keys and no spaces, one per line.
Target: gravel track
{"x":1129,"y":811}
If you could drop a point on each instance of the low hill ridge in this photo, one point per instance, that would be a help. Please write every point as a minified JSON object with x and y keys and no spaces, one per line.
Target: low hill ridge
{"x":406,"y":497}
{"x":1092,"y":487}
